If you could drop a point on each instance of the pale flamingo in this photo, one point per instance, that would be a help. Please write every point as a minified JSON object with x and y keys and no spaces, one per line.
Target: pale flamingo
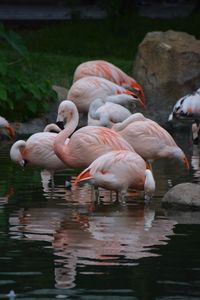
{"x":38,"y":150}
{"x":149,"y":139}
{"x":107,"y":112}
{"x":87,"y":143}
{"x":107,"y":70}
{"x":119,"y":170}
{"x":188,"y":108}
{"x":4,"y":124}
{"x":87,"y":89}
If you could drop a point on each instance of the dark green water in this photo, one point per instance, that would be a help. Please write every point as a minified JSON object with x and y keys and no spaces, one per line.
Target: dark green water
{"x":58,"y":244}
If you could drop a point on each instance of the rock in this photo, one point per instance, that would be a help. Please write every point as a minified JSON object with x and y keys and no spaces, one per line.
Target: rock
{"x":61,"y":92}
{"x":27,"y":128}
{"x":186,"y":195}
{"x":167,"y":66}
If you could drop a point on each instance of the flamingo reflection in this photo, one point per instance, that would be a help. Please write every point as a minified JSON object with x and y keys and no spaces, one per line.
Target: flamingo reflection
{"x":195,"y":162}
{"x":82,"y":233}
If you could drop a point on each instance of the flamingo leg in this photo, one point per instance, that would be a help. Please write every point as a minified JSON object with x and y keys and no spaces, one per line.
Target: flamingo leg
{"x":122,"y":196}
{"x":95,"y":194}
{"x":52,"y":180}
{"x":195,"y":132}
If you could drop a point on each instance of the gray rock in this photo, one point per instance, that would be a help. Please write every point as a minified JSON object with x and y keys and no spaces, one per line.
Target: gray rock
{"x":184,"y":194}
{"x":167,"y":65}
{"x":61,"y":92}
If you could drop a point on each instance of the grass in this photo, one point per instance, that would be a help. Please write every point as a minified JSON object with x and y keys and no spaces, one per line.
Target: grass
{"x":58,"y":48}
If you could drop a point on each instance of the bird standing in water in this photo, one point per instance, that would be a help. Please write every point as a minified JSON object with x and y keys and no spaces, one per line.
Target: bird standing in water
{"x":117,"y":171}
{"x":149,"y":139}
{"x":38,"y":150}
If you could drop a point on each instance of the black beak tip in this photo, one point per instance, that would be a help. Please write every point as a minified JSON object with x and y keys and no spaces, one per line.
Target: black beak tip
{"x":60,"y":124}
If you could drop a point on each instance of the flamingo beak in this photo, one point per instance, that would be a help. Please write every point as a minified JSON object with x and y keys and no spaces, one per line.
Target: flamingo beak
{"x":186,"y":163}
{"x":60,"y":124}
{"x":137,"y":98}
{"x":10,"y":131}
{"x":83,"y":176}
{"x":136,"y":87}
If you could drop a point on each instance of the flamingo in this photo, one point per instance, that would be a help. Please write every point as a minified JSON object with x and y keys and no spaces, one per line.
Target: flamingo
{"x":38,"y":150}
{"x":87,"y":143}
{"x":4,"y":124}
{"x":87,"y":89}
{"x":107,"y":112}
{"x":107,"y":70}
{"x":119,"y":170}
{"x":188,"y":108}
{"x":149,"y":139}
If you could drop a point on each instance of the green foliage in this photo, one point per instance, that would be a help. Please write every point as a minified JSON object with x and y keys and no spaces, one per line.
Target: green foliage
{"x":22,"y":94}
{"x":111,"y":38}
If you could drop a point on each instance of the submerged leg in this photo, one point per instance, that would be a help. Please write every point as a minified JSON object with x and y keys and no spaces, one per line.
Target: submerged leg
{"x":95,"y":194}
{"x":52,"y":180}
{"x":122,"y":196}
{"x":195,"y":132}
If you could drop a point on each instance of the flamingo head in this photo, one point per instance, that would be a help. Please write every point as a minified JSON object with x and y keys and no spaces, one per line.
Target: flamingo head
{"x":16,"y":153}
{"x":5,"y":126}
{"x":136,"y":98}
{"x":66,"y":112}
{"x":180,"y":155}
{"x":185,"y":162}
{"x":138,"y":89}
{"x":10,"y":131}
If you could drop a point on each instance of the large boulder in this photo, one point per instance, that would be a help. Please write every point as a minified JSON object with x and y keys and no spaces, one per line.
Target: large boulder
{"x":186,"y":195}
{"x":167,"y":65}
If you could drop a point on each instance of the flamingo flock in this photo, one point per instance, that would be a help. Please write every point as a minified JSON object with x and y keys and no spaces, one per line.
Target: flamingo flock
{"x":118,"y":144}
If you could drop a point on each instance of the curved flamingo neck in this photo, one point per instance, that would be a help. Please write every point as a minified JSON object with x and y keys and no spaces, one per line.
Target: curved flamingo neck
{"x":52,"y":127}
{"x":61,"y":141}
{"x":16,"y":151}
{"x":133,"y":118}
{"x":93,"y":108}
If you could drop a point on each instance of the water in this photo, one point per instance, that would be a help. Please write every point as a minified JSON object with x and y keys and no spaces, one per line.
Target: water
{"x":58,"y":244}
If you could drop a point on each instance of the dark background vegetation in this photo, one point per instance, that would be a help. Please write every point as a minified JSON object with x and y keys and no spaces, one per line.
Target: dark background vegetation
{"x":55,"y":48}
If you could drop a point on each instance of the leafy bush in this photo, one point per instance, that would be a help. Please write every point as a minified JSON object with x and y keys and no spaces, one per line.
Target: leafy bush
{"x":22,"y":94}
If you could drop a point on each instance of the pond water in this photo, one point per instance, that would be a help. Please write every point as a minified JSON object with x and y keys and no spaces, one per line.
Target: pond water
{"x":56,"y":243}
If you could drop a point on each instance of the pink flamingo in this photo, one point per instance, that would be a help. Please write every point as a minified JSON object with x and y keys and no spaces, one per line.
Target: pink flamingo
{"x":4,"y":124}
{"x":87,"y":89}
{"x":118,"y":171}
{"x":38,"y":150}
{"x":105,"y":69}
{"x":87,"y":143}
{"x":149,"y":139}
{"x":107,"y":112}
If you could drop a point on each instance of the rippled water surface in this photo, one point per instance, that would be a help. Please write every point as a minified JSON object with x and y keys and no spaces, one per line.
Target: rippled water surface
{"x":58,"y":243}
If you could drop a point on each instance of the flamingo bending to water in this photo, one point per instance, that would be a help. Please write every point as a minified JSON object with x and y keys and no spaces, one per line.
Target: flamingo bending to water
{"x":105,"y":69}
{"x":85,"y":144}
{"x":118,"y":171}
{"x":38,"y":150}
{"x":149,"y":139}
{"x":87,"y":89}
